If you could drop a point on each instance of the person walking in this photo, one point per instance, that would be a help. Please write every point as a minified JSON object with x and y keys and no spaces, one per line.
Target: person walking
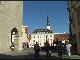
{"x":65,"y":52}
{"x":47,"y":49}
{"x":60,"y":49}
{"x":37,"y":50}
{"x":68,"y":49}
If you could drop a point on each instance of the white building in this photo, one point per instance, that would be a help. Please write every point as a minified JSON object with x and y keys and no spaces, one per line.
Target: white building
{"x":41,"y":35}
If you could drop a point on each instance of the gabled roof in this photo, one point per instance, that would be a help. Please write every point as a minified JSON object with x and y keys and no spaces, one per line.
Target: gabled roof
{"x":42,"y":30}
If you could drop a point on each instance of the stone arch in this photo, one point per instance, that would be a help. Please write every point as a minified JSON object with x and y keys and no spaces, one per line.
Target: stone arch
{"x":14,"y":35}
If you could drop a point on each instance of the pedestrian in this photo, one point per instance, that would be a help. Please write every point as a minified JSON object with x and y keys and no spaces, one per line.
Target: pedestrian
{"x":65,"y":52}
{"x":47,"y":49}
{"x":57,"y":41}
{"x":71,"y":49}
{"x":12,"y":47}
{"x":68,"y":49}
{"x":37,"y":50}
{"x":60,"y":49}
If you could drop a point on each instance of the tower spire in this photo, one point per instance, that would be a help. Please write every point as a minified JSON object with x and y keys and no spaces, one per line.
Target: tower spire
{"x":48,"y":23}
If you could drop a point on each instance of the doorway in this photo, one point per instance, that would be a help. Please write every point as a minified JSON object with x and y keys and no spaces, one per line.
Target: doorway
{"x":14,"y":34}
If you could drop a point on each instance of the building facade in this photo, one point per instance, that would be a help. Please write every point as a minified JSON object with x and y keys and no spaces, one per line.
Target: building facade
{"x":10,"y":24}
{"x":40,"y":36}
{"x":74,"y":23}
{"x":25,"y":35}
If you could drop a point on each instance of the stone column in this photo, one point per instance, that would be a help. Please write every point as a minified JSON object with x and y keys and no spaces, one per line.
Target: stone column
{"x":20,"y":43}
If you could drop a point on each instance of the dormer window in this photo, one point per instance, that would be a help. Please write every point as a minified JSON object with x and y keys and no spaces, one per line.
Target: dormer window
{"x":41,"y":30}
{"x":38,"y":30}
{"x":45,"y":30}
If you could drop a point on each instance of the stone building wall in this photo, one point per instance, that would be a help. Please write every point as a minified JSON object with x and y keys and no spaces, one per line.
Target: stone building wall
{"x":11,"y":15}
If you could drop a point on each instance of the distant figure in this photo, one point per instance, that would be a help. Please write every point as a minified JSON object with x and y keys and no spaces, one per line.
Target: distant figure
{"x":24,"y":46}
{"x":60,"y":49}
{"x":37,"y":50}
{"x":47,"y":45}
{"x":71,"y":49}
{"x":56,"y":41}
{"x":12,"y":47}
{"x":68,"y":46}
{"x":65,"y":48}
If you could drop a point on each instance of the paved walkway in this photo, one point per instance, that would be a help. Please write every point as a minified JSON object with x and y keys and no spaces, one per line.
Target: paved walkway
{"x":29,"y":54}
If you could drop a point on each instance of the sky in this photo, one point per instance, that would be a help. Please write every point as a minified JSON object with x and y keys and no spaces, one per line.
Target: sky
{"x":35,"y":15}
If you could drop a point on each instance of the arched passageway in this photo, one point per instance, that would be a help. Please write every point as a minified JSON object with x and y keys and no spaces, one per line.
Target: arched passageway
{"x":14,"y":35}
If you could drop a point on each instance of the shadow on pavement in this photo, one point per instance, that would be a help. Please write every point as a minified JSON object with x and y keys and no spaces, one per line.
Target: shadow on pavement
{"x":4,"y":56}
{"x":28,"y":55}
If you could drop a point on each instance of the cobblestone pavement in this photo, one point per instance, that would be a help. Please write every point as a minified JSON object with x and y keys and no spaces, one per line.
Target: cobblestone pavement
{"x":29,"y":54}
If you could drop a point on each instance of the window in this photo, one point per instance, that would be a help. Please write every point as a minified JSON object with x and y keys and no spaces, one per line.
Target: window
{"x":74,"y":38}
{"x":44,"y":39}
{"x":33,"y":40}
{"x":38,"y":40}
{"x":73,"y":20}
{"x":33,"y":36}
{"x":72,"y":3}
{"x":38,"y":30}
{"x":38,"y":36}
{"x":41,"y":30}
{"x":79,"y":36}
{"x":44,"y":36}
{"x":78,"y":15}
{"x":77,"y":1}
{"x":50,"y":35}
{"x":40,"y":43}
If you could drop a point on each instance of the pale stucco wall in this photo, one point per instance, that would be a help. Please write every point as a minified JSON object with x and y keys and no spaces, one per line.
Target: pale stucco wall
{"x":24,"y":36}
{"x":10,"y":16}
{"x":76,"y":29}
{"x":41,"y":38}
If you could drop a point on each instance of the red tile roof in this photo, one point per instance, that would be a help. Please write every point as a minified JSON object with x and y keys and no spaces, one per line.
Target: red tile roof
{"x":63,"y":36}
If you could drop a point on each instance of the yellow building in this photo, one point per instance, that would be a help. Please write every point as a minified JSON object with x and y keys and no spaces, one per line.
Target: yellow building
{"x":74,"y":23}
